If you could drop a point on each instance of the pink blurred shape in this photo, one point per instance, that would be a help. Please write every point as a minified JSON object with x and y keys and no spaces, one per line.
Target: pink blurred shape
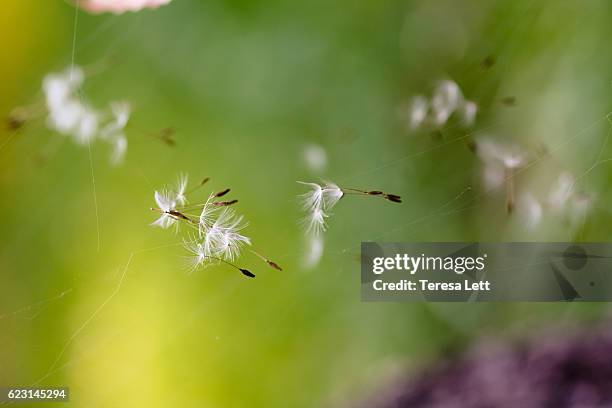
{"x":118,"y":6}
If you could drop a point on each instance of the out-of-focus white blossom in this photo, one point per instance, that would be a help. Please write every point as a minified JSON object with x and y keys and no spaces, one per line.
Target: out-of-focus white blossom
{"x":118,"y":6}
{"x":498,"y":159}
{"x":563,"y":199}
{"x":510,"y":156}
{"x":530,"y":209}
{"x":493,"y":175}
{"x":447,"y":100}
{"x":561,"y":191}
{"x":313,"y":252}
{"x":120,"y":145}
{"x":417,"y":112}
{"x":71,"y":115}
{"x":315,"y":157}
{"x":579,"y":207}
{"x":468,"y":113}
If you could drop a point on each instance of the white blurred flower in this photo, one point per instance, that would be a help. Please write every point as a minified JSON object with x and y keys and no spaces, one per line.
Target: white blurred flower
{"x":510,"y":156}
{"x":314,"y":251}
{"x":87,"y":126}
{"x":530,"y":210}
{"x":119,"y":150}
{"x":561,"y":191}
{"x":59,"y":87}
{"x":199,"y":256}
{"x":315,"y":157}
{"x":113,"y":132}
{"x":67,"y":114}
{"x":493,"y":175}
{"x":498,"y":159}
{"x":445,"y":100}
{"x":71,"y":115}
{"x":118,"y":6}
{"x":65,"y":119}
{"x":121,"y":115}
{"x":469,"y":110}
{"x":579,"y":207}
{"x":417,"y":112}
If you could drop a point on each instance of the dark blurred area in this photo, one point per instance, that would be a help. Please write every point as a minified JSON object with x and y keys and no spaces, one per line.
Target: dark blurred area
{"x":563,"y":368}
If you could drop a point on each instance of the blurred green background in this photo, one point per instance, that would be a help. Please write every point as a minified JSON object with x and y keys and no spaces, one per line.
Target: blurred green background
{"x":246,"y":85}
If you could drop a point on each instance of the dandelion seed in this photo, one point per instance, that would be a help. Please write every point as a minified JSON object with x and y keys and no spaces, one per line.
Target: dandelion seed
{"x":181,"y":187}
{"x":331,"y":195}
{"x":222,"y":193}
{"x":246,"y":272}
{"x":224,"y":203}
{"x":393,"y":198}
{"x":312,"y":199}
{"x":166,"y":203}
{"x":219,"y":237}
{"x":231,"y":244}
{"x":315,"y":221}
{"x":270,"y":263}
{"x":274,"y":265}
{"x":207,"y":216}
{"x":223,"y":237}
{"x":196,"y":248}
{"x":321,"y":199}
